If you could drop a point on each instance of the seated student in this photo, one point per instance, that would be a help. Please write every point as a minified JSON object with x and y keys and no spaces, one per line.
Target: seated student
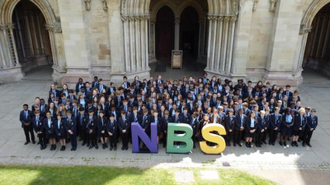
{"x":60,"y":130}
{"x":38,"y":128}
{"x":251,"y":125}
{"x":50,"y":130}
{"x":275,"y":121}
{"x":112,"y":132}
{"x":230,"y":127}
{"x":101,"y":129}
{"x":298,"y":126}
{"x":71,"y":128}
{"x":123,"y":124}
{"x":286,"y":127}
{"x":91,"y":130}
{"x":25,"y":117}
{"x":312,"y":123}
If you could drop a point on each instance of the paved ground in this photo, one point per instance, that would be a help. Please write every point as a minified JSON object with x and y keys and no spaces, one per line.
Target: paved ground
{"x":261,"y":161}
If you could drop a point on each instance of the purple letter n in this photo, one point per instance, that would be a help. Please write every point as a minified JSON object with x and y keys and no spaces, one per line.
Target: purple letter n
{"x":137,"y":132}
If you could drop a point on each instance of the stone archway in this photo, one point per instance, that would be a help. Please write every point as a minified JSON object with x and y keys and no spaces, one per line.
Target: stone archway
{"x":136,"y":22}
{"x":305,"y":31}
{"x":11,"y":67}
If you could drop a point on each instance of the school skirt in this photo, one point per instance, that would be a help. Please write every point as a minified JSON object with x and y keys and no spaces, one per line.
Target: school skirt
{"x":297,"y":132}
{"x":50,"y":135}
{"x":99,"y":134}
{"x":249,"y":134}
{"x":286,"y":131}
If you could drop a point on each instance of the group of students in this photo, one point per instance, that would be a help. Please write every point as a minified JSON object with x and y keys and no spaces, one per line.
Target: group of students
{"x":95,"y":113}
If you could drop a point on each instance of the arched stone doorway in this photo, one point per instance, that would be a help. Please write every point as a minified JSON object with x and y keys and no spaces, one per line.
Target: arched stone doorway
{"x":10,"y":58}
{"x":31,"y":37}
{"x":164,"y":33}
{"x":317,"y":52}
{"x":189,"y":33}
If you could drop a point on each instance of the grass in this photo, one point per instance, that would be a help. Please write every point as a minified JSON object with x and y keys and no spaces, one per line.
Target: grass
{"x":89,"y":175}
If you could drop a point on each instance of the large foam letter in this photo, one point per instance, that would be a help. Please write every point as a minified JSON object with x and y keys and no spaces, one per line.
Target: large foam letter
{"x":185,"y":138}
{"x":137,"y":132}
{"x":214,"y":138}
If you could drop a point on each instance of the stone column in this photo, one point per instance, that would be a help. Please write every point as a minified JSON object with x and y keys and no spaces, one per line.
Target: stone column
{"x":2,"y":49}
{"x":51,"y":31}
{"x":152,"y":41}
{"x":327,"y":38}
{"x":200,"y":39}
{"x":219,"y":43}
{"x":13,"y":49}
{"x":177,"y":34}
{"x":7,"y":46}
{"x":34,"y":33}
{"x":28,"y":31}
{"x":225,"y":45}
{"x":231,"y":43}
{"x":137,"y":43}
{"x":132,"y":41}
{"x":42,"y":47}
{"x":20,"y":34}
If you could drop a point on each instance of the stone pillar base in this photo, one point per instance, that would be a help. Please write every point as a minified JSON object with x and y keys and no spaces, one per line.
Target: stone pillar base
{"x":102,"y":71}
{"x":326,"y":69}
{"x":117,"y":78}
{"x":223,"y":76}
{"x":57,"y":74}
{"x":283,"y":78}
{"x":41,"y":60}
{"x":12,"y":74}
{"x":73,"y":74}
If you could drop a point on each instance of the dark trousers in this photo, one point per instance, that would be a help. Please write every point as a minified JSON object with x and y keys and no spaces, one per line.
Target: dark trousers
{"x":273,"y":136}
{"x":42,"y":139}
{"x":307,"y":136}
{"x":124,"y":137}
{"x":73,"y":138}
{"x":164,"y":139}
{"x":229,"y":136}
{"x":28,"y":130}
{"x":91,"y":138}
{"x":113,"y":140}
{"x":82,"y":134}
{"x":263,"y":136}
{"x":237,"y":135}
{"x":257,"y":137}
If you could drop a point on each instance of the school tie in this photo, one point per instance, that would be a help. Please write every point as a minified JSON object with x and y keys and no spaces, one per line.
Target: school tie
{"x":242,"y":120}
{"x":37,"y":119}
{"x":59,"y":124}
{"x":26,"y":114}
{"x":252,"y":123}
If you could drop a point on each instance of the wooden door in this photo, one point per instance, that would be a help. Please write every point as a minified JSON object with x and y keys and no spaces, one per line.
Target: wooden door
{"x":164,"y":33}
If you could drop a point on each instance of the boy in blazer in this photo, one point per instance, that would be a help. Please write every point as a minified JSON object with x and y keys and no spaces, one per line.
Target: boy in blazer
{"x":25,"y":117}
{"x":112,"y":132}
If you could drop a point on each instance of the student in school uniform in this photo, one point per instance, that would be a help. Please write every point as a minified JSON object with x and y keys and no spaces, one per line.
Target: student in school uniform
{"x":25,"y":118}
{"x":71,"y":128}
{"x":60,"y":130}
{"x":262,"y":129}
{"x":298,"y":126}
{"x":312,"y":123}
{"x":112,"y":132}
{"x":195,"y":124}
{"x":38,"y":128}
{"x":50,"y":130}
{"x":286,"y":127}
{"x":275,"y":122}
{"x":251,"y":125}
{"x":230,"y":121}
{"x":91,"y":129}
{"x":123,"y":124}
{"x":101,"y":129}
{"x":240,"y":126}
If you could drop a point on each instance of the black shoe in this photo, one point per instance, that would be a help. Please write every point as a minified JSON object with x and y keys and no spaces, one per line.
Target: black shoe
{"x":249,"y":145}
{"x":284,"y":143}
{"x":299,"y":140}
{"x":296,"y":144}
{"x":106,"y":146}
{"x":229,"y":144}
{"x":72,"y":149}
{"x":264,"y":142}
{"x":88,"y":145}
{"x":126,"y":148}
{"x":303,"y":144}
{"x":239,"y":144}
{"x":26,"y":142}
{"x":41,"y":147}
{"x":80,"y":139}
{"x":122,"y":148}
{"x":83,"y":144}
{"x":45,"y":146}
{"x":234,"y":144}
{"x":38,"y":143}
{"x":54,"y":147}
{"x":280,"y":143}
{"x":61,"y":148}
{"x":51,"y":147}
{"x":33,"y":142}
{"x":115,"y":148}
{"x":64,"y":148}
{"x":308,"y":144}
{"x":103,"y":146}
{"x":91,"y":146}
{"x":111,"y":148}
{"x":164,"y":146}
{"x":246,"y":144}
{"x":270,"y":143}
{"x":96,"y":147}
{"x":292,"y":144}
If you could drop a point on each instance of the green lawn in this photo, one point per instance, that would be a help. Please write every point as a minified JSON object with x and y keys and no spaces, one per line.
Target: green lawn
{"x":34,"y":175}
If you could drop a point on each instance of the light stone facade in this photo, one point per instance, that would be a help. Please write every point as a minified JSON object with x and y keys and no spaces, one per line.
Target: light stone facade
{"x":250,"y":39}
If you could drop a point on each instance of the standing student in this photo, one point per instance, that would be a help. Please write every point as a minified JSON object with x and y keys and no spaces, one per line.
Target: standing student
{"x":312,"y":123}
{"x":60,"y":131}
{"x":239,"y":128}
{"x":251,"y":125}
{"x":286,"y":128}
{"x":262,"y":129}
{"x":230,"y":121}
{"x":38,"y":128}
{"x":123,"y":124}
{"x":275,"y":121}
{"x":164,"y":124}
{"x":101,"y":129}
{"x":25,"y":117}
{"x":91,"y":130}
{"x":298,"y":127}
{"x":50,"y":130}
{"x":71,"y":127}
{"x":194,"y":123}
{"x":112,"y":132}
